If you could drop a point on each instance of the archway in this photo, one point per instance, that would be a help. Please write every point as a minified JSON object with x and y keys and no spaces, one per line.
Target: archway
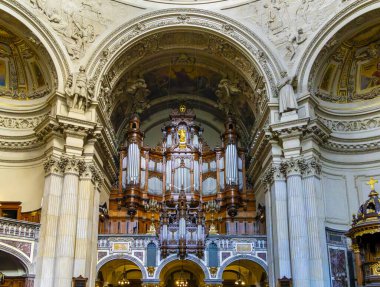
{"x":246,"y":272}
{"x":15,"y":271}
{"x":115,"y":270}
{"x":182,"y":269}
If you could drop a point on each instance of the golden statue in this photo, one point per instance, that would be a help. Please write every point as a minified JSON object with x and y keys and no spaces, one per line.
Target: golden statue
{"x":182,"y":138}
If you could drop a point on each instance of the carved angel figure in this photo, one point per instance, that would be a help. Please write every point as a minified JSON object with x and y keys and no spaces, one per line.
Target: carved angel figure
{"x":138,"y":90}
{"x":287,"y":99}
{"x":226,"y":89}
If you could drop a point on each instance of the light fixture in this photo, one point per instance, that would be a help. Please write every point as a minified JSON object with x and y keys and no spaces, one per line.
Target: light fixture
{"x":239,"y":281}
{"x":123,"y":281}
{"x":181,"y":281}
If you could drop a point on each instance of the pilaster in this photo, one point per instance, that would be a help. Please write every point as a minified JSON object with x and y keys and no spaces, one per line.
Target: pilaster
{"x":54,"y":167}
{"x":319,"y":273}
{"x":67,"y":225}
{"x":298,"y":228}
{"x":275,"y":179}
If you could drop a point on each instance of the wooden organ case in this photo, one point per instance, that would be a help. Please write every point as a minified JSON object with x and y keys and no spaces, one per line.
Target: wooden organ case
{"x":182,"y":190}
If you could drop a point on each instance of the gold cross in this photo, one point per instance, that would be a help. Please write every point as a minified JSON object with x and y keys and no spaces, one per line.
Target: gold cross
{"x":372,"y":183}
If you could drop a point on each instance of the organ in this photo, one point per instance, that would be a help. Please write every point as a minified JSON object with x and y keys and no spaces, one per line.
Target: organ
{"x":169,"y":189}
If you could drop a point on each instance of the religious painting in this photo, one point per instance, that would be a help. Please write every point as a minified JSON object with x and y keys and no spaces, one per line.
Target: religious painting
{"x":328,"y":78}
{"x":182,"y":78}
{"x":338,"y":267}
{"x":370,"y":74}
{"x":3,"y":74}
{"x":37,"y":74}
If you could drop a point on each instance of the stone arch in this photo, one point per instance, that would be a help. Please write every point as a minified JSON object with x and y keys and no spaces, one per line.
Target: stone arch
{"x":257,"y":50}
{"x":25,"y":261}
{"x":190,"y":257}
{"x":306,"y":62}
{"x":45,"y":35}
{"x":230,"y":260}
{"x":134,"y":260}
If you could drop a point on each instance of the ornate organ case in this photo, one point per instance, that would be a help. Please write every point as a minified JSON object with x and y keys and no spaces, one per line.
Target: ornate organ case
{"x":174,"y":183}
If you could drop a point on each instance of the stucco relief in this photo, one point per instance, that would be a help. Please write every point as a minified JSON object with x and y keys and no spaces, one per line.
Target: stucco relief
{"x":289,"y":24}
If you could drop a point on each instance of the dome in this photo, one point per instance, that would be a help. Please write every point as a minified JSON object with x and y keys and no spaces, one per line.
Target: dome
{"x":24,"y":72}
{"x":348,"y":68}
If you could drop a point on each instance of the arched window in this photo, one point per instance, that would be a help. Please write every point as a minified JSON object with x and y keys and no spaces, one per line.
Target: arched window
{"x":151,"y":254}
{"x":213,"y":255}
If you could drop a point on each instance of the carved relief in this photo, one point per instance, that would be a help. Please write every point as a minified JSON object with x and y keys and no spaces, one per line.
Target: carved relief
{"x":21,"y":123}
{"x":138,"y":92}
{"x":78,"y":22}
{"x":352,"y":126}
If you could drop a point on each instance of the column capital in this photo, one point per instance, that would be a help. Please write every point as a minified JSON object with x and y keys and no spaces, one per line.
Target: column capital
{"x":54,"y":165}
{"x":272,"y":173}
{"x":292,"y":166}
{"x":311,"y":167}
{"x":73,"y":165}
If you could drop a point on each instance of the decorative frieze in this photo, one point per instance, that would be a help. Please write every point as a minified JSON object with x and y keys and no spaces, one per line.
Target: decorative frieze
{"x":353,"y":125}
{"x":21,"y":123}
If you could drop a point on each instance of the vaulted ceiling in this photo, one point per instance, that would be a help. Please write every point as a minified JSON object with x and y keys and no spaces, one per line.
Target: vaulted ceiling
{"x":202,"y":70}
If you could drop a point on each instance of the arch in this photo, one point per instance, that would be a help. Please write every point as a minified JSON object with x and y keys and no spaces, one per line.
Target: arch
{"x":304,"y":65}
{"x":45,"y":35}
{"x":134,"y":260}
{"x":25,"y":261}
{"x":190,"y":257}
{"x":253,"y":46}
{"x":230,"y":260}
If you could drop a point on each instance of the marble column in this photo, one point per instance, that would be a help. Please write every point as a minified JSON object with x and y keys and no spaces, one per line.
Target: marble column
{"x":67,"y":225}
{"x":319,"y":272}
{"x":49,"y":221}
{"x":279,"y":222}
{"x":83,"y":244}
{"x":298,"y":229}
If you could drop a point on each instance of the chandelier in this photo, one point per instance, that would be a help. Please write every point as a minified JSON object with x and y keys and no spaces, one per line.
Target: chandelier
{"x":239,"y":281}
{"x":123,"y":281}
{"x":181,"y":281}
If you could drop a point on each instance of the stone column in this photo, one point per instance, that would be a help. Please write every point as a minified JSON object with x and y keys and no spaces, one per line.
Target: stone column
{"x":97,"y":180}
{"x":279,"y":221}
{"x":49,"y":221}
{"x":83,"y":244}
{"x":67,"y":225}
{"x":298,"y":232}
{"x":319,"y":272}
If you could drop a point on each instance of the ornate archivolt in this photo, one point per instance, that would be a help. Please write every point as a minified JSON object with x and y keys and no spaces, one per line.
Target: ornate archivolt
{"x":244,"y":40}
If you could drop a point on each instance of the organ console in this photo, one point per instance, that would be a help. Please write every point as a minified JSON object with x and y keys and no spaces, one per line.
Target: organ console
{"x":183,"y":176}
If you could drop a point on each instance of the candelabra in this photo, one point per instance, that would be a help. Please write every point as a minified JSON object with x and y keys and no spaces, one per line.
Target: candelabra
{"x":212,"y":207}
{"x":152,"y":206}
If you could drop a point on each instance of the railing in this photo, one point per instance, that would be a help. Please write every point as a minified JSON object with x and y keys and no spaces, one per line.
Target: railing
{"x":137,"y":240}
{"x":18,"y":228}
{"x":227,"y":242}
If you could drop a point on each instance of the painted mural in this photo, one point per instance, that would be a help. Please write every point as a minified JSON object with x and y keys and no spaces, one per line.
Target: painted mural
{"x":3,"y":73}
{"x":370,"y":74}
